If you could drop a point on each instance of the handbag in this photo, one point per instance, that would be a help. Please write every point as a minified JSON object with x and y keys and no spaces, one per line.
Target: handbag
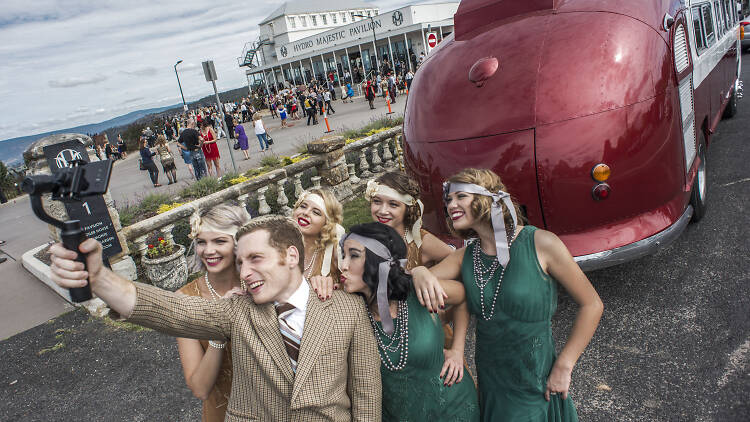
{"x":269,"y":139}
{"x":236,"y":145}
{"x":141,"y":165}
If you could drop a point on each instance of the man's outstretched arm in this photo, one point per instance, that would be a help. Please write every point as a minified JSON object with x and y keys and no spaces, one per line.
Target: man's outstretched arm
{"x":146,"y":305}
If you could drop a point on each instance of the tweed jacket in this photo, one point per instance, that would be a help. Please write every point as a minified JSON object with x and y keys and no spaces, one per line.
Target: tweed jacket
{"x":338,"y":372}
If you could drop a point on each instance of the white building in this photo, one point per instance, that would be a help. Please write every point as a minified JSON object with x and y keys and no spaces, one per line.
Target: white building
{"x":302,"y":40}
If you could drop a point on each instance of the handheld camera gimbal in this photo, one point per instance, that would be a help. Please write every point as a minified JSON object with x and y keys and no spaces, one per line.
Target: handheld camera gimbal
{"x":69,"y":184}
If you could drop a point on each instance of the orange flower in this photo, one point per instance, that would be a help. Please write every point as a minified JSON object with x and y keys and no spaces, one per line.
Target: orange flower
{"x":151,"y":246}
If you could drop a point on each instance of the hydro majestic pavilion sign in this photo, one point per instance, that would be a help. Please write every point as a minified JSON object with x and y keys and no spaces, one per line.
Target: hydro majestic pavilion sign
{"x":352,"y":32}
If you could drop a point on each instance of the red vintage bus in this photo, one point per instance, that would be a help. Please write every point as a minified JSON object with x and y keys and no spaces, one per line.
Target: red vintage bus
{"x":596,"y":114}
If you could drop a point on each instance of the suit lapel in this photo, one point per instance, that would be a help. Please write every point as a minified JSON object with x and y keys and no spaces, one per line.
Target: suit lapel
{"x":317,"y":325}
{"x":265,"y":320}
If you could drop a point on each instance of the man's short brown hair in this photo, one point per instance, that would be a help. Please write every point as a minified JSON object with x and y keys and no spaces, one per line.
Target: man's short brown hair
{"x":282,"y":233}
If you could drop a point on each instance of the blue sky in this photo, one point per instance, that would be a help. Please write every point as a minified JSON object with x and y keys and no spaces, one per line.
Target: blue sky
{"x":68,"y":63}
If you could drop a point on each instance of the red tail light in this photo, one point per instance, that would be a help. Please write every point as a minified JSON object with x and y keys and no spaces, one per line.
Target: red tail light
{"x":601,"y":191}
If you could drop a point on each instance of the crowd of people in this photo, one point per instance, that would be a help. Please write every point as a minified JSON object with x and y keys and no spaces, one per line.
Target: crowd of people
{"x":294,"y":319}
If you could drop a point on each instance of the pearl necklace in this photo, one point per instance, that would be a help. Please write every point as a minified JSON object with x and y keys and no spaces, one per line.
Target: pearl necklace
{"x":480,"y":271}
{"x":308,"y":268}
{"x":214,"y":295}
{"x":399,"y":340}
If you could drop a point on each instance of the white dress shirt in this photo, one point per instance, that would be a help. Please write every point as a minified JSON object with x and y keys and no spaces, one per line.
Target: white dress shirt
{"x":296,"y":319}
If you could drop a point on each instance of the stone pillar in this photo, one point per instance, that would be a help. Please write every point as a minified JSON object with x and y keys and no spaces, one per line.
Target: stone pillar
{"x":298,"y":186}
{"x":376,"y":167}
{"x":388,"y":163}
{"x":352,"y":175}
{"x":281,"y":199}
{"x":243,"y":200}
{"x":364,"y":166}
{"x":263,"y":208}
{"x":333,"y":171}
{"x":121,"y":263}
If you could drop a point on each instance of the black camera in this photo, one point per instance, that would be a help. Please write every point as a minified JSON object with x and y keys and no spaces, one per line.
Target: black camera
{"x":69,"y":184}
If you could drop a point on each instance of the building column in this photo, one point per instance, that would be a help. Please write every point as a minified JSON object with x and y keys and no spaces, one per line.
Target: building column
{"x":361,"y":59}
{"x":424,"y":41}
{"x":302,"y":71}
{"x":283,"y":78}
{"x":406,"y":48}
{"x":265,"y":82}
{"x":390,"y":50}
{"x":312,"y":69}
{"x":337,"y":68}
{"x":440,"y":28}
{"x":325,"y":67}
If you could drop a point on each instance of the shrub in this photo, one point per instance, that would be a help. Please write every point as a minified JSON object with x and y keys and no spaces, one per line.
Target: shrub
{"x":151,"y":202}
{"x":201,"y":188}
{"x":270,"y":161}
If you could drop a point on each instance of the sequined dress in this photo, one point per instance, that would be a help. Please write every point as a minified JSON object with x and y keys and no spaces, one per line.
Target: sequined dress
{"x":416,"y":392}
{"x":515,"y":350}
{"x":215,"y":406}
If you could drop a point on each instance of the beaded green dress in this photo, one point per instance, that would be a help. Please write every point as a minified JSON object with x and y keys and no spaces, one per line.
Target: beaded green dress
{"x":514,"y":348}
{"x":416,"y":392}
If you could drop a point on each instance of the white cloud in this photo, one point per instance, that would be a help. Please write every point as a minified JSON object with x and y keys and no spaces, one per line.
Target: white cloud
{"x":76,"y":81}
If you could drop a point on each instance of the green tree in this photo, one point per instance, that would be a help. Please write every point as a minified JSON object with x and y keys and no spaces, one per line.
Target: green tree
{"x":7,"y":182}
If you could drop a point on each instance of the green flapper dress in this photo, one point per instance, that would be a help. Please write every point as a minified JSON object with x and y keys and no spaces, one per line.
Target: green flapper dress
{"x":514,"y":348}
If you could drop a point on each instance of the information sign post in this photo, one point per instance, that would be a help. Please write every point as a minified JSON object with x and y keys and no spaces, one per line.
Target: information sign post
{"x":210,"y":72}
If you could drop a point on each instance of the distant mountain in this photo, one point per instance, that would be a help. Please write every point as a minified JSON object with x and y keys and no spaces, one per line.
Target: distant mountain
{"x":11,"y":150}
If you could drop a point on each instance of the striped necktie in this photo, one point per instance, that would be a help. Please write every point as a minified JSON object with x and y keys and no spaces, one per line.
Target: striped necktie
{"x":288,"y":334}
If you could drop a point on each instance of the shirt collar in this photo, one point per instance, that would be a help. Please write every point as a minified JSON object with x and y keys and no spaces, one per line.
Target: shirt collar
{"x":299,"y":298}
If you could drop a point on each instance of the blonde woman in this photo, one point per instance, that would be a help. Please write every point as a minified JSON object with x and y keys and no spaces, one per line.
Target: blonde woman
{"x":511,"y":274}
{"x":207,"y":365}
{"x":166,"y":158}
{"x":318,"y":215}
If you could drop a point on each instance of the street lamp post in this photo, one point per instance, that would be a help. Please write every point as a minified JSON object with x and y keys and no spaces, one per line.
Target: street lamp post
{"x":375,"y":47}
{"x":184,"y":105}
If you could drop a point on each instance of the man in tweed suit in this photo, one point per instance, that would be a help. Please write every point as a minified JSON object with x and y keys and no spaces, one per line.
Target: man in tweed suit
{"x":334,"y":377}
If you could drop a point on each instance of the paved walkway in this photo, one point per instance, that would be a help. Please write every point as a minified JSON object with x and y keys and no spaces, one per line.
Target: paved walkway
{"x":26,"y":302}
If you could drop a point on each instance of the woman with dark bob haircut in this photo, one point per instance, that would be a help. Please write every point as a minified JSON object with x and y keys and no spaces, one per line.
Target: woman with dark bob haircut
{"x":416,"y":375}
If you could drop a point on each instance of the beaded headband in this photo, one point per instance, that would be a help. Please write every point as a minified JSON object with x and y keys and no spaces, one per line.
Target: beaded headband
{"x":375,"y":188}
{"x":383,"y":269}
{"x":498,"y":222}
{"x":328,"y":253}
{"x":197,"y":225}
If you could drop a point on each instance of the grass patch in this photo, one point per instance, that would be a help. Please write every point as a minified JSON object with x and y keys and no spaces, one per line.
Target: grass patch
{"x":356,"y":212}
{"x":121,"y":325}
{"x":372,"y":127}
{"x":60,"y":332}
{"x":57,"y":346}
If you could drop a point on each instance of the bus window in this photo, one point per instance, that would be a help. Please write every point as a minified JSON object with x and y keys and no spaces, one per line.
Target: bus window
{"x":700,"y":42}
{"x":720,"y":27}
{"x":708,"y":24}
{"x":728,"y":14}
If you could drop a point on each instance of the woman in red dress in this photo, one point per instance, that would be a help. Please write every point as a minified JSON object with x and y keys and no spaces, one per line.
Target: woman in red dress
{"x":210,"y":149}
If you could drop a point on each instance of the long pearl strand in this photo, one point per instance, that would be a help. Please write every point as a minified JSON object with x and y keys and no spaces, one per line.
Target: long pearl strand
{"x":399,"y":340}
{"x":480,"y":271}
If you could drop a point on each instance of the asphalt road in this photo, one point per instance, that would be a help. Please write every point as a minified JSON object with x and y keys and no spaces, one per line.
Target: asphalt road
{"x":673,"y":344}
{"x":26,"y":302}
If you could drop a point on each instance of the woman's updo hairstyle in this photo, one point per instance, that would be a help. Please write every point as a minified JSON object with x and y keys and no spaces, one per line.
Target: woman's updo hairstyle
{"x":399,"y":282}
